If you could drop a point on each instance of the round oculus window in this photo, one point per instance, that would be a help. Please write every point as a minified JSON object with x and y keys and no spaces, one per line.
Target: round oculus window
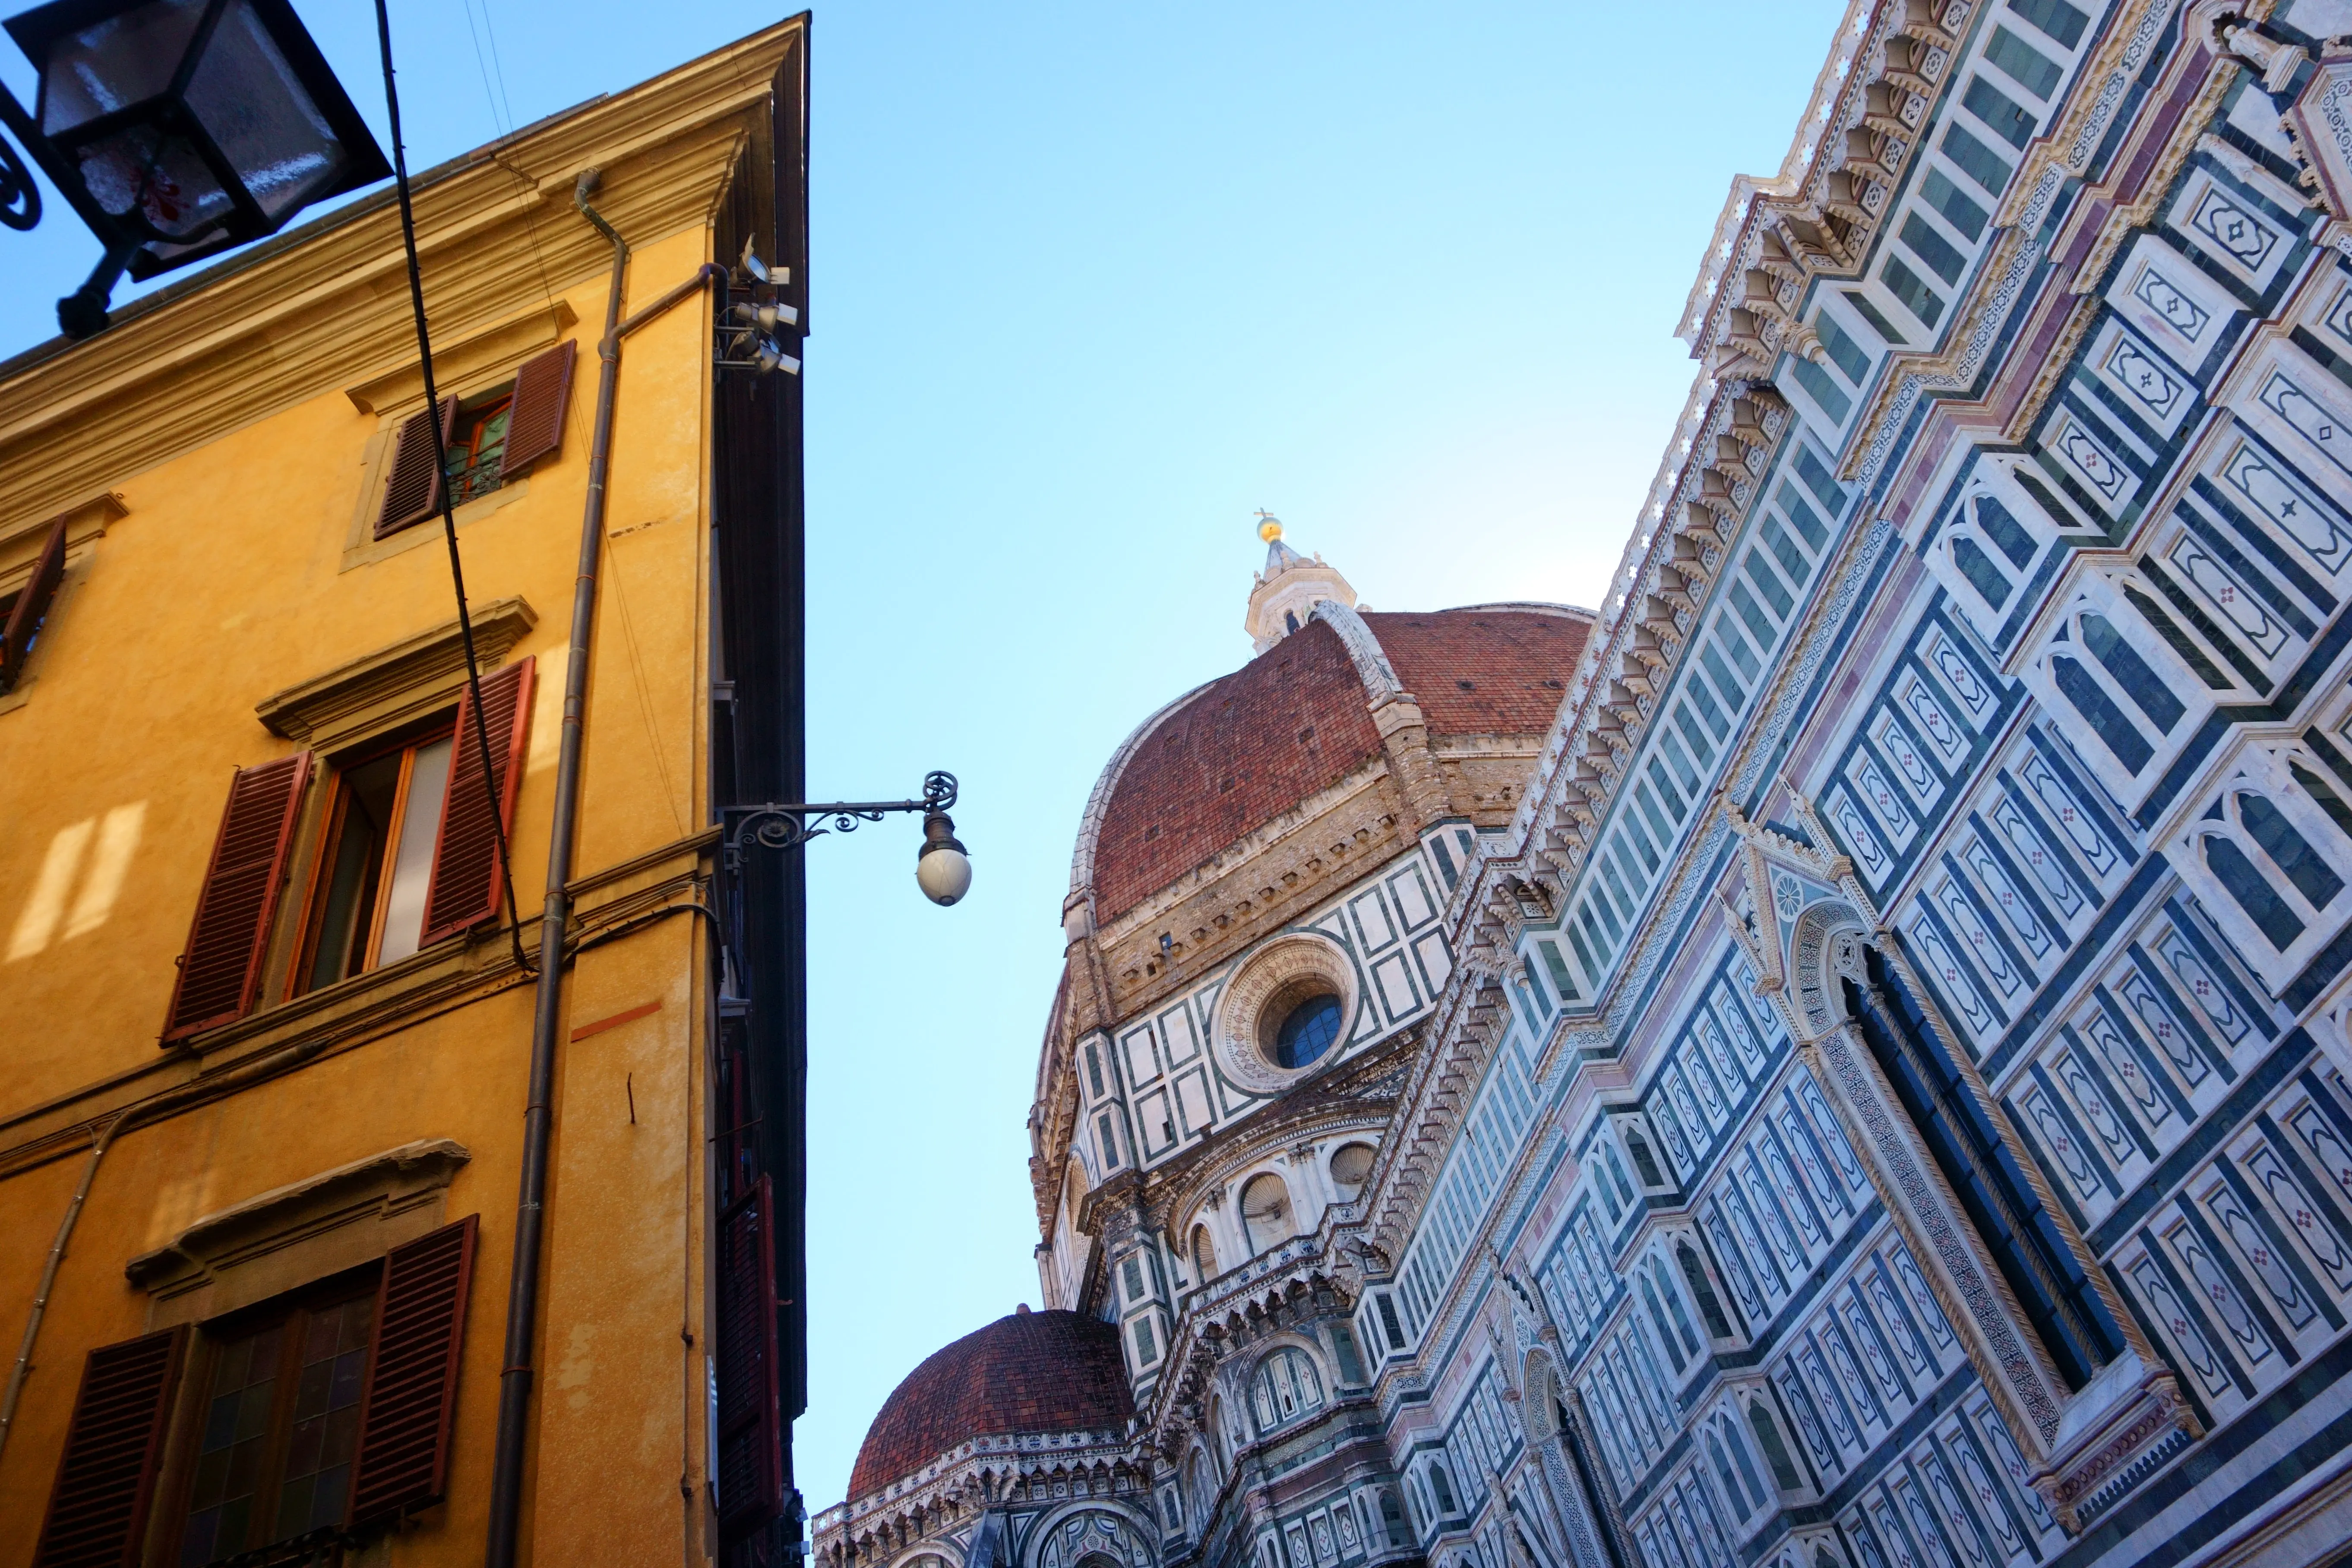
{"x":1309,"y":1028}
{"x":1285,"y":1013}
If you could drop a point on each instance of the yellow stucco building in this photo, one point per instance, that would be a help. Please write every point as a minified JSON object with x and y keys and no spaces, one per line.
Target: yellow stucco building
{"x":269,"y":1020}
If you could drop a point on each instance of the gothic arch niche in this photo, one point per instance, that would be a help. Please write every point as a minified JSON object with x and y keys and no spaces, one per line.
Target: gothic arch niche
{"x":1287,"y":1384}
{"x":1088,"y":1536}
{"x":1826,"y":950}
{"x":1540,"y":1407}
{"x":1989,"y":543}
{"x":2125,"y":697}
{"x":1573,"y":1489}
{"x":2269,"y":858}
{"x":1268,"y":1218}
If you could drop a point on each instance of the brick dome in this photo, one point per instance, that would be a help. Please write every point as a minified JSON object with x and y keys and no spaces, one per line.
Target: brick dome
{"x":1032,"y":1372}
{"x":1230,"y":757}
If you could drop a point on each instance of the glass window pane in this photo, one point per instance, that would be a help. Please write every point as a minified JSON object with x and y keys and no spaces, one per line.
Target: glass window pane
{"x":412,"y":866}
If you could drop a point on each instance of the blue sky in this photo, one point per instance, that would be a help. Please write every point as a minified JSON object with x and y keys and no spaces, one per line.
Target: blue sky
{"x":1089,"y":285}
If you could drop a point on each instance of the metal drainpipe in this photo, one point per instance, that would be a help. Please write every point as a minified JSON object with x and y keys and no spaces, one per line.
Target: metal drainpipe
{"x":49,"y":1278}
{"x":522,"y":1294}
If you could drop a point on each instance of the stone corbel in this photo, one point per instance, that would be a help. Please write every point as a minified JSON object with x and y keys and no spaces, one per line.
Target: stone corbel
{"x":2320,"y":122}
{"x":2125,"y":1421}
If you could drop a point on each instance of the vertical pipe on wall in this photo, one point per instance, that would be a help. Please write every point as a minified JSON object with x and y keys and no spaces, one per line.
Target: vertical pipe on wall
{"x":49,"y":1281}
{"x":522,"y":1293}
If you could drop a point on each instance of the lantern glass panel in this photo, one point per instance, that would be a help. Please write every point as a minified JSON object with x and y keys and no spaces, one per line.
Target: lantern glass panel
{"x":261,"y":116}
{"x":115,"y":62}
{"x":161,"y":177}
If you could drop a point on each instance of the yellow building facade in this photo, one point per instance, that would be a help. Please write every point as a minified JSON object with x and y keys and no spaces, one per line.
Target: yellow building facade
{"x":270,"y":1018}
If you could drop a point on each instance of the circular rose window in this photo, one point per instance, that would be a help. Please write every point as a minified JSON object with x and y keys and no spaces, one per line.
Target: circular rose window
{"x":1288,"y":1008}
{"x":1308,"y":1029}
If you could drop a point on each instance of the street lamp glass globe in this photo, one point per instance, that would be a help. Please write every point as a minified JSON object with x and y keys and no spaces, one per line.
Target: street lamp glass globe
{"x":941,"y":868}
{"x":945,"y":875}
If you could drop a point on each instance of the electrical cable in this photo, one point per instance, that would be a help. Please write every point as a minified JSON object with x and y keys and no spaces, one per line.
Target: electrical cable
{"x":441,"y":474}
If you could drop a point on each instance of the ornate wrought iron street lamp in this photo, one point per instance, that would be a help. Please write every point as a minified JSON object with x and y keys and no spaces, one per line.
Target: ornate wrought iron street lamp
{"x":942,"y":868}
{"x":177,"y":128}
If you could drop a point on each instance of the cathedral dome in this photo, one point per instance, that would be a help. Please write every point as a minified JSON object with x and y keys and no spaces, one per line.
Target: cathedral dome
{"x":1232,"y":755}
{"x":1031,"y":1372}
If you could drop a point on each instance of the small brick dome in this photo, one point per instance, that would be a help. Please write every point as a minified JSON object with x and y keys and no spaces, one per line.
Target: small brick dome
{"x":1031,"y":1372}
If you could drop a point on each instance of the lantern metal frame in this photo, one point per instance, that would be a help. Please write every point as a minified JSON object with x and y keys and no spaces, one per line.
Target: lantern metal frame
{"x":130,"y":240}
{"x":784,"y":827}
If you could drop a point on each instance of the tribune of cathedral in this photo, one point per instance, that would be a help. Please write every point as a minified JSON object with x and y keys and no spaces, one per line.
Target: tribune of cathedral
{"x":1836,"y":1059}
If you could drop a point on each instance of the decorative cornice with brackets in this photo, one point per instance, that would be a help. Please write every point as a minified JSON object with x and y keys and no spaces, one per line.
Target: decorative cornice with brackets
{"x":296,"y":317}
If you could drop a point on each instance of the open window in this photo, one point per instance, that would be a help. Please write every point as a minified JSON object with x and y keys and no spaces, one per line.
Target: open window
{"x":367,"y":903}
{"x":409,"y":856}
{"x":486,"y":440}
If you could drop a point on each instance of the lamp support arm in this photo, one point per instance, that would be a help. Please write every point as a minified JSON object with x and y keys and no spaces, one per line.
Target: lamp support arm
{"x":783,"y":826}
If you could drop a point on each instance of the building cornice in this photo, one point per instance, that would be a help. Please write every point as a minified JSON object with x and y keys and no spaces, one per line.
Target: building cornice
{"x":284,"y":323}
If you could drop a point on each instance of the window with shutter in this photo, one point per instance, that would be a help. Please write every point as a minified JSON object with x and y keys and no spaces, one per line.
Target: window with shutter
{"x":114,"y":1447}
{"x":220,"y":972}
{"x":410,"y":855}
{"x":486,"y":439}
{"x":412,"y":492}
{"x":464,"y":890}
{"x":277,"y":1423}
{"x":749,"y":1467}
{"x":542,"y":398}
{"x":411,"y":1402}
{"x":25,"y":612}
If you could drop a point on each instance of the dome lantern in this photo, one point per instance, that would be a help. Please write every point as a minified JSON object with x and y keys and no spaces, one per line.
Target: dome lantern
{"x":1284,"y":595}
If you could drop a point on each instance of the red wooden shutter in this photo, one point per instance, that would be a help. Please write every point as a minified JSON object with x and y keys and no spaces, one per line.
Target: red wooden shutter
{"x":32,"y":604}
{"x":465,"y":887}
{"x":220,"y":974}
{"x":750,"y":1464}
{"x":542,"y":396}
{"x":97,"y":1508}
{"x":412,"y":1389}
{"x":412,"y":493}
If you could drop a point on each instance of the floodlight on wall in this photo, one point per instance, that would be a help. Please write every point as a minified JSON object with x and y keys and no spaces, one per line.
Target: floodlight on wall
{"x":179,"y":129}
